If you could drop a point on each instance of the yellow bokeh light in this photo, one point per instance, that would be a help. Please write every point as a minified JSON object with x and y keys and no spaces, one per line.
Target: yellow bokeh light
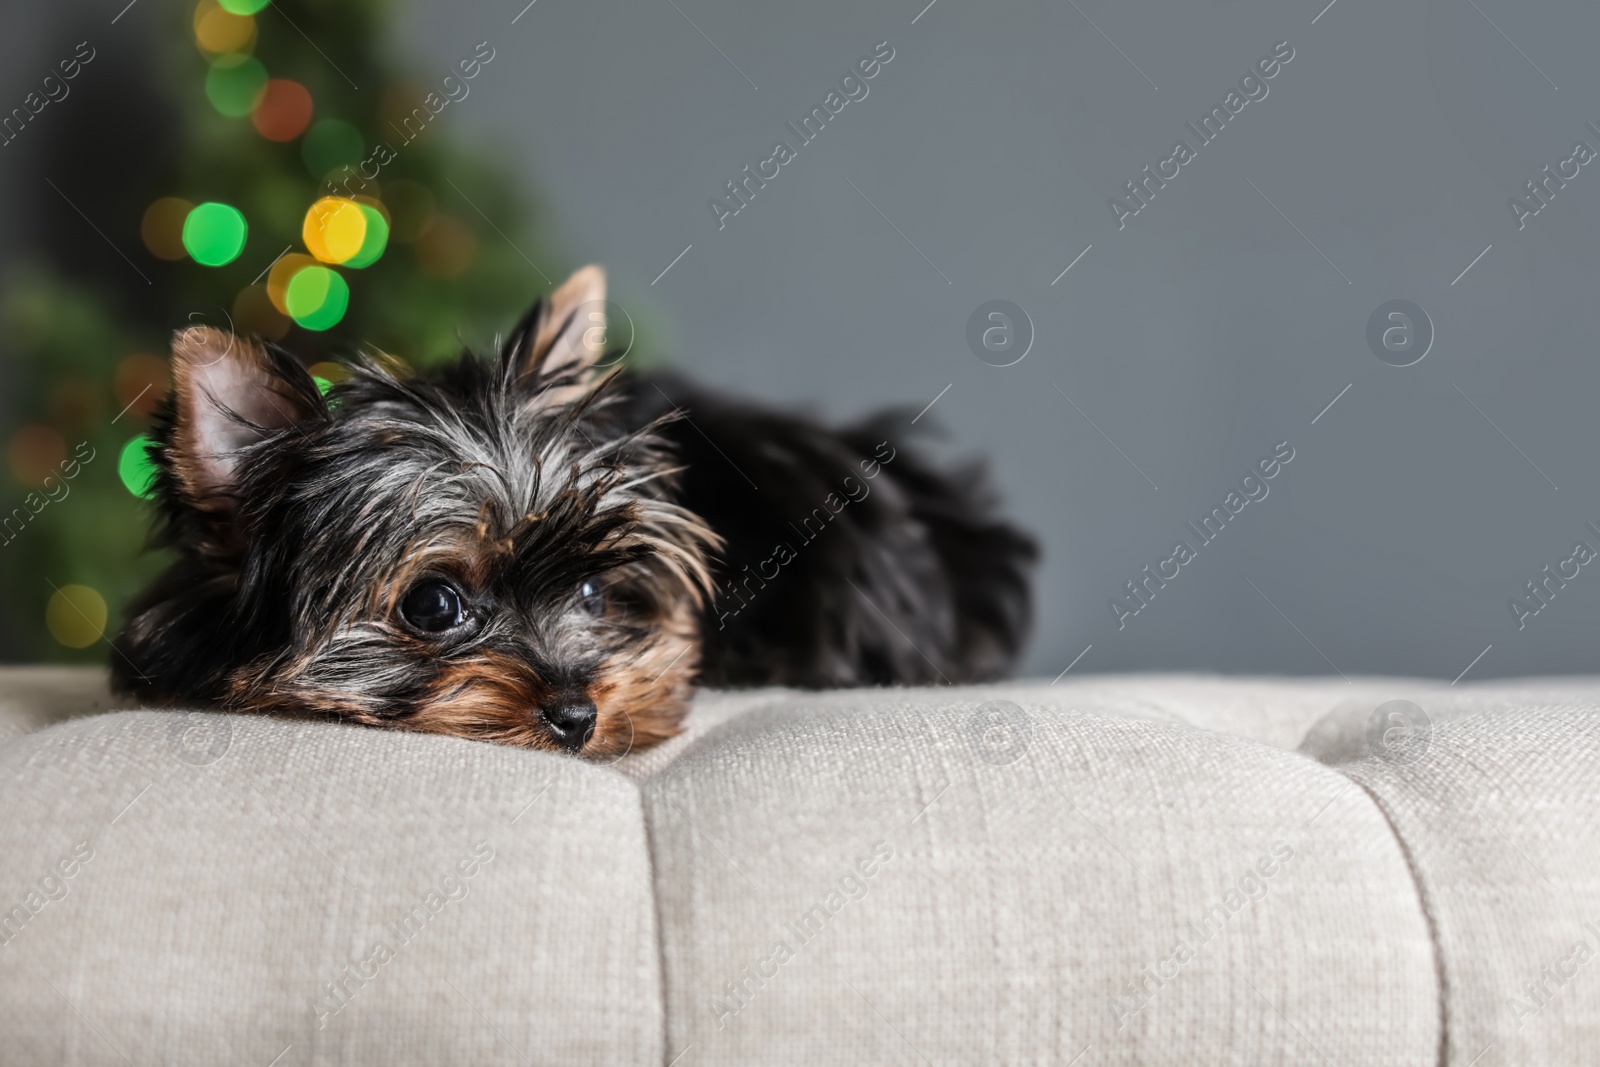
{"x":217,"y":30}
{"x":334,"y":229}
{"x":76,"y":616}
{"x":281,"y":274}
{"x":330,"y":372}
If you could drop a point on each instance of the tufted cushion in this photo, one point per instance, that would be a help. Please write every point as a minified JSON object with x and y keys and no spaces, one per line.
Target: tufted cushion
{"x":1141,"y":869}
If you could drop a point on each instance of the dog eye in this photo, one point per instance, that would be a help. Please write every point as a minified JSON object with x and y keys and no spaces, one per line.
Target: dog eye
{"x":592,"y":597}
{"x":433,"y":607}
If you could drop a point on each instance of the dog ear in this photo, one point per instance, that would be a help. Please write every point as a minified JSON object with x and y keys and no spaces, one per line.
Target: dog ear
{"x":564,"y":334}
{"x":228,"y":393}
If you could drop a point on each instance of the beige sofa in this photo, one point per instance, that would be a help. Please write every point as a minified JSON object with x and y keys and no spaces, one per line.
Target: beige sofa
{"x":1111,"y":870}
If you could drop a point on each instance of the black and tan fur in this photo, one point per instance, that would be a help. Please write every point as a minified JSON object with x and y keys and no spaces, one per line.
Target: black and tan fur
{"x":595,"y":533}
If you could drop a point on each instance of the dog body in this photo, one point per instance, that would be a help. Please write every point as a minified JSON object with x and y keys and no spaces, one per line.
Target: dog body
{"x":533,"y":551}
{"x":847,"y":560}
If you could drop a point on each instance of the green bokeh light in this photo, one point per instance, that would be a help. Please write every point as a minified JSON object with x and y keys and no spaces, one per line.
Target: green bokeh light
{"x":317,"y":298}
{"x":234,"y":83}
{"x":329,"y":145}
{"x":136,"y":468}
{"x":242,"y":7}
{"x":214,"y":233}
{"x":325,"y":387}
{"x":376,"y":240}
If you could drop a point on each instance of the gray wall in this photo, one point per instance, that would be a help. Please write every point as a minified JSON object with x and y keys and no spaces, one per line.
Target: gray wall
{"x":1218,"y":322}
{"x":1211,"y":327}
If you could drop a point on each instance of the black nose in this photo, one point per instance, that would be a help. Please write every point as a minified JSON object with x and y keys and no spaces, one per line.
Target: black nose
{"x":571,"y":720}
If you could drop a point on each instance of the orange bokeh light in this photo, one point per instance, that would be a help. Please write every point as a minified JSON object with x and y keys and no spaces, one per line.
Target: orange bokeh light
{"x":217,"y":30}
{"x":141,"y":382}
{"x":162,"y":228}
{"x":284,"y":110}
{"x":35,"y":453}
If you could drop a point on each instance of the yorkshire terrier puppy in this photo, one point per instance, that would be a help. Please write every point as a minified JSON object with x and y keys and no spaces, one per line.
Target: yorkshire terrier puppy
{"x":539,"y":551}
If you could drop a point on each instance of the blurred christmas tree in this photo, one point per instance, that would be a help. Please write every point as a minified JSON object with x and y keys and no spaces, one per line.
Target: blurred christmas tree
{"x":301,"y":189}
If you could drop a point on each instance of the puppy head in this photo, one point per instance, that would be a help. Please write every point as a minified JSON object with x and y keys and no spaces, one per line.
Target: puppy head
{"x":481,"y":552}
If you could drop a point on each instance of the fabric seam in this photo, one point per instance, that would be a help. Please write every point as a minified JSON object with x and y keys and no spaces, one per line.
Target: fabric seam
{"x":1424,"y":902}
{"x":655,"y":907}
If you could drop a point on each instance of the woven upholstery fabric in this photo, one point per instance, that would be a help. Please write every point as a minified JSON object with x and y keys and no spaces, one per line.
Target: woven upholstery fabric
{"x":1500,"y":816}
{"x":221,"y":898}
{"x":1138,"y":869}
{"x":1023,"y":899}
